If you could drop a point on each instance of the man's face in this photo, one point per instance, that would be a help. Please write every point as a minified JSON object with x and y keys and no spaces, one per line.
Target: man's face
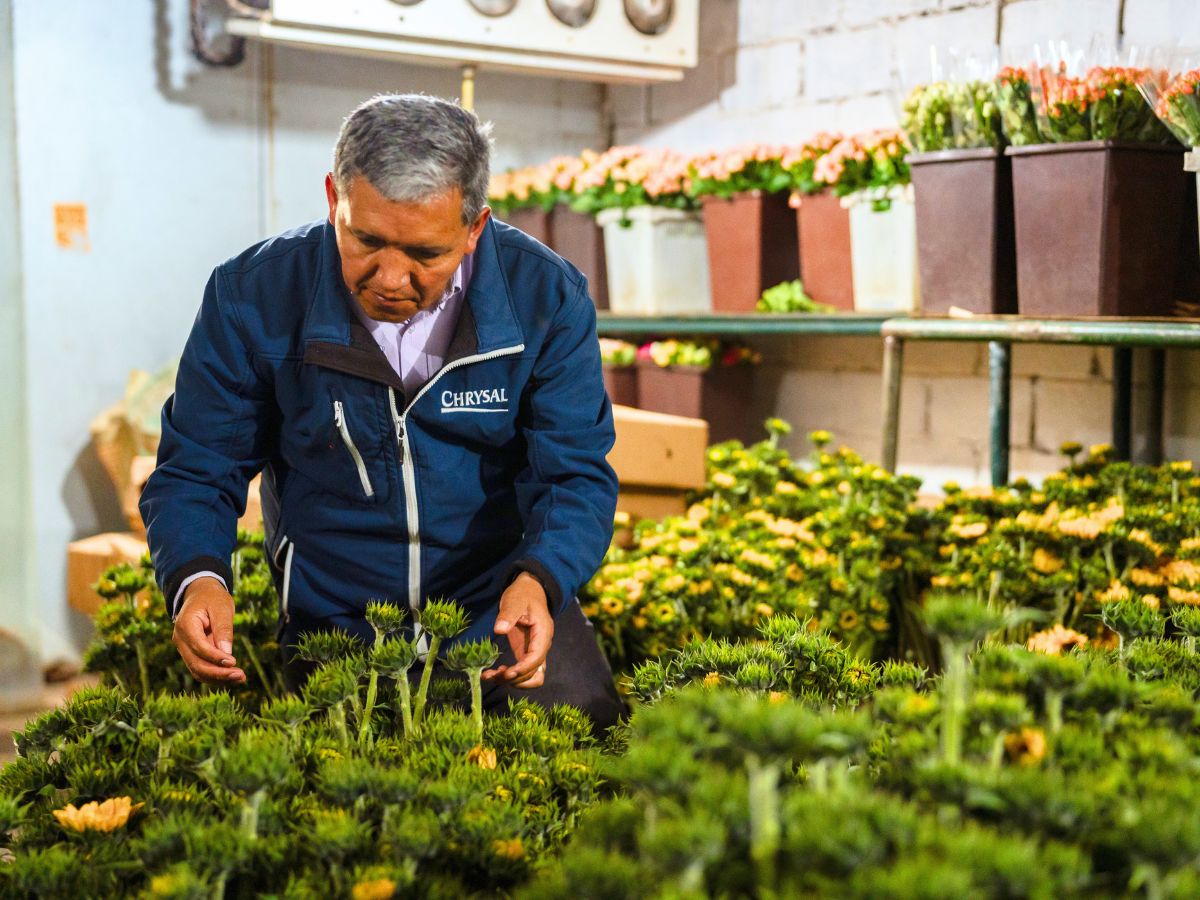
{"x":398,"y":258}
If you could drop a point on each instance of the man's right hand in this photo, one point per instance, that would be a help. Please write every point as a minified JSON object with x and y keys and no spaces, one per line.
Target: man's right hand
{"x":204,"y":633}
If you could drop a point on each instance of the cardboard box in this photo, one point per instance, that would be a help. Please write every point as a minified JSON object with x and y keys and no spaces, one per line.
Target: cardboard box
{"x":651,"y":503}
{"x":139,"y":473}
{"x":658,"y":450}
{"x":89,"y":557}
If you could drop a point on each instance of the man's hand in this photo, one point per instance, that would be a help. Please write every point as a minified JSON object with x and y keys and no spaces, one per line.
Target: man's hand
{"x":525,"y":618}
{"x":204,"y":633}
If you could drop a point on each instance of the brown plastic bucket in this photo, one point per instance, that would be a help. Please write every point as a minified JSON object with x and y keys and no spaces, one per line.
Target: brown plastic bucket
{"x":751,"y":247}
{"x":966,"y":247}
{"x":824,"y":239}
{"x":719,"y":395}
{"x":578,"y":239}
{"x":621,"y":383}
{"x":1098,"y":226}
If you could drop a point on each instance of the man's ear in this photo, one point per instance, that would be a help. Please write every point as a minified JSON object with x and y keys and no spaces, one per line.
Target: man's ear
{"x":331,"y":195}
{"x":477,"y":228}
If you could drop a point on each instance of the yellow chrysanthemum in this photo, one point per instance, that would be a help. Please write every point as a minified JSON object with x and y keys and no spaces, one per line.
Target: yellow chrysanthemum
{"x":723,"y":480}
{"x":1046,"y":562}
{"x":484,"y":757}
{"x":1183,"y":597}
{"x":105,"y":816}
{"x":379,"y":889}
{"x":509,"y":849}
{"x":712,"y":679}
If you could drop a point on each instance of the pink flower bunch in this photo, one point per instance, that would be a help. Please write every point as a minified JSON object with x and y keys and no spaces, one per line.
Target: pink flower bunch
{"x":872,"y":159}
{"x":724,"y":165}
{"x":811,"y":150}
{"x":549,"y":182}
{"x":657,"y":171}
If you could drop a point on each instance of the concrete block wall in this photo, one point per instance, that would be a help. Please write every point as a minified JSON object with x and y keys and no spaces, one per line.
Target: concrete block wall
{"x":778,"y":71}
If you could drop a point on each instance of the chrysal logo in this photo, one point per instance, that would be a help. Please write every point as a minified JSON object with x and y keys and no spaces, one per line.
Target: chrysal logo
{"x":484,"y":401}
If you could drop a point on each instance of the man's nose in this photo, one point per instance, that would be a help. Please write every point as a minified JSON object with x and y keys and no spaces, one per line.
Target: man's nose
{"x":394,"y":274}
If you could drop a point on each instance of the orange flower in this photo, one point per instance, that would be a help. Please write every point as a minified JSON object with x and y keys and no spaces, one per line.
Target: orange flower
{"x":1054,"y":641}
{"x":484,"y":757}
{"x":1026,"y":747}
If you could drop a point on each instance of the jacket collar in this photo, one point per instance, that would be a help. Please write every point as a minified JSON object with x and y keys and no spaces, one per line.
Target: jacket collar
{"x":487,"y":321}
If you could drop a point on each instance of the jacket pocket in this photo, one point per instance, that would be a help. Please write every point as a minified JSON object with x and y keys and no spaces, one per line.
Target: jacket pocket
{"x":339,"y":418}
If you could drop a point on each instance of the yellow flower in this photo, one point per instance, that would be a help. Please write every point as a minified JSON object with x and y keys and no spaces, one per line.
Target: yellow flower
{"x":848,"y":620}
{"x":697,"y":513}
{"x":674,"y":583}
{"x":379,"y":889}
{"x":1150,"y":600}
{"x":1184,"y":597}
{"x":500,"y":792}
{"x":621,"y":520}
{"x":785,"y":543}
{"x":969,"y":530}
{"x":1026,"y":747}
{"x":688,"y":545}
{"x":612,"y":606}
{"x":723,"y":480}
{"x":878,"y":624}
{"x":1086,"y":527}
{"x":777,"y":697}
{"x":484,"y":757}
{"x":1116,"y":591}
{"x":712,"y":679}
{"x":1046,"y":562}
{"x":1146,"y":578}
{"x":765,"y":610}
{"x":794,"y":573}
{"x":666,"y":612}
{"x":328,"y":753}
{"x":1053,"y":641}
{"x":1182,"y":571}
{"x":786,"y":487}
{"x":511,"y":849}
{"x":941,"y":581}
{"x":1140,"y":536}
{"x":96,"y":816}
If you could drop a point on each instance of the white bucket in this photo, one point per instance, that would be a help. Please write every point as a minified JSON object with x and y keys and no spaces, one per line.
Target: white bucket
{"x":883,"y":253}
{"x":1191,"y":163}
{"x":657,"y":263}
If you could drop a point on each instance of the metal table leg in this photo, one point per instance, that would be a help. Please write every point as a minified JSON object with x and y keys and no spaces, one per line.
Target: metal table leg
{"x":893,"y":365}
{"x":1000,"y":396}
{"x":1122,"y":400}
{"x":1158,"y":390}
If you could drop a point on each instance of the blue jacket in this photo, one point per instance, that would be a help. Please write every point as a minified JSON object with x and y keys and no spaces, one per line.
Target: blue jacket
{"x":497,"y":465}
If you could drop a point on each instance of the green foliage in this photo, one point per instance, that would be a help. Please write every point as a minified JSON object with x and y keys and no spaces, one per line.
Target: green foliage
{"x":789,"y":297}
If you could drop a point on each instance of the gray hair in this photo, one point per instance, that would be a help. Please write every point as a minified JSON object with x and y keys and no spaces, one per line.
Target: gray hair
{"x":413,"y":146}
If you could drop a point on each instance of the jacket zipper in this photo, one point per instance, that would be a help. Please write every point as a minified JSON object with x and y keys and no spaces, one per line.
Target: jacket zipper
{"x":339,"y":416}
{"x":287,"y":579}
{"x":409,"y":473}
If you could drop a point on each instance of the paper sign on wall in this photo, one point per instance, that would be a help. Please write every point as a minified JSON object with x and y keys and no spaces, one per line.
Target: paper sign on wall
{"x":70,"y":226}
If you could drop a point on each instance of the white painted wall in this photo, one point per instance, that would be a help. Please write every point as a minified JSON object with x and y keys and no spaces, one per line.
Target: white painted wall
{"x":781,"y":70}
{"x":180,"y":166}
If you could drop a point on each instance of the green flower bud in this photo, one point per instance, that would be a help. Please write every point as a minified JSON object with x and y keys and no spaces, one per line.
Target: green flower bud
{"x":442,"y":618}
{"x":472,"y":655}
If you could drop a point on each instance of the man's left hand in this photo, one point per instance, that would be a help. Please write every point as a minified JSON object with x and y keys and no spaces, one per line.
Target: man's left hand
{"x":525,"y":618}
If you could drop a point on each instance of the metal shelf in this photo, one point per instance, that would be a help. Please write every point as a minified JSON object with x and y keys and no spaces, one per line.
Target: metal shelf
{"x":732,"y":325}
{"x":1001,"y":332}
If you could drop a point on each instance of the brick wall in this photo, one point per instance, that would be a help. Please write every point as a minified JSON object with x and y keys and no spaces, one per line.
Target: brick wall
{"x":780,"y":70}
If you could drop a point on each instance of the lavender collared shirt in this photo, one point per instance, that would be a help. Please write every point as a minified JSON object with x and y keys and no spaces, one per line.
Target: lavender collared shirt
{"x":415,"y":349}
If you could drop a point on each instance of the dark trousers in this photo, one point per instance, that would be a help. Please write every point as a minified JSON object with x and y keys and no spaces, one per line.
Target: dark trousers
{"x":576,"y":671}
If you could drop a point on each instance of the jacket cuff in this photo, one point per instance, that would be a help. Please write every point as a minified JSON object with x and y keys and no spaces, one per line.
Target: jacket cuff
{"x":554,"y":593}
{"x":222,"y":570}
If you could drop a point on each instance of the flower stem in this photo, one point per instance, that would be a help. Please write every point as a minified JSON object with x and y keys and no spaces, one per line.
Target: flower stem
{"x":426,"y":677}
{"x":477,"y":702}
{"x":143,"y":671}
{"x":337,"y":713}
{"x":764,"y":819}
{"x":258,"y":669}
{"x":1054,"y":710}
{"x":372,"y":693}
{"x":250,"y":814}
{"x":954,"y":689}
{"x":406,"y":715}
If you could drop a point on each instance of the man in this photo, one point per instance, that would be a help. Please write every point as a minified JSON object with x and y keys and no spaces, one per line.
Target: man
{"x":421,"y":387}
